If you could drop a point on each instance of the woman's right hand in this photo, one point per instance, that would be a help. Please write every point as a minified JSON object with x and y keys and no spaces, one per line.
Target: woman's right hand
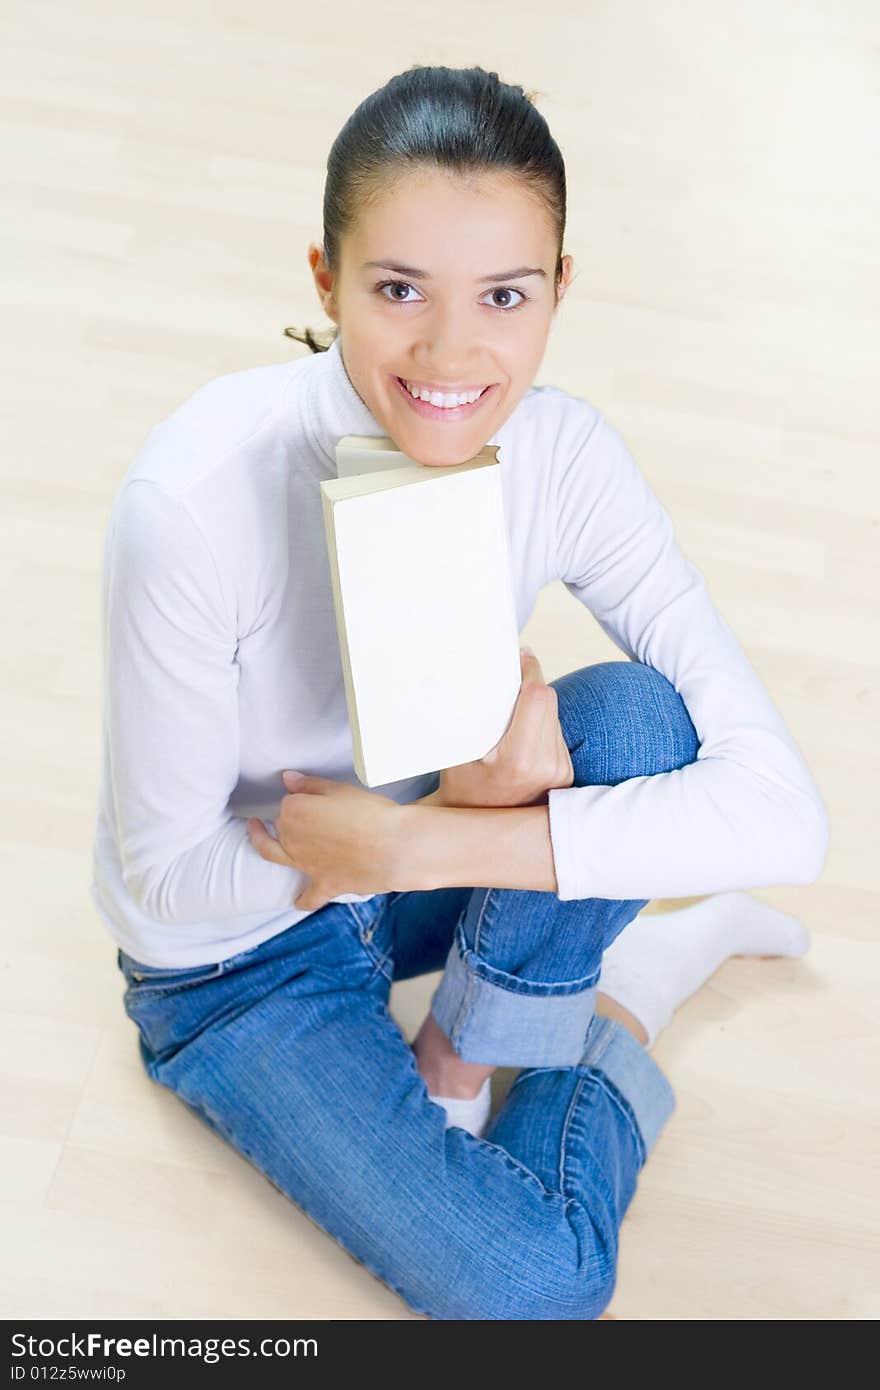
{"x":529,"y":759}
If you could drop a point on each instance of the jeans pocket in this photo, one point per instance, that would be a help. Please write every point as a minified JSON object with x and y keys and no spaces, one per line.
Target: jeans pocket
{"x":160,"y":979}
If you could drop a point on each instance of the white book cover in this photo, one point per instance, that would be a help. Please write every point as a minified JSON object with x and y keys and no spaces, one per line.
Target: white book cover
{"x":425,"y":608}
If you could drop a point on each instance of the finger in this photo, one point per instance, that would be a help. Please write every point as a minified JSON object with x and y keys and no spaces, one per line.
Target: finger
{"x":531,"y":666}
{"x":265,"y":844}
{"x":527,"y":716}
{"x":529,"y":727}
{"x":302,"y":782}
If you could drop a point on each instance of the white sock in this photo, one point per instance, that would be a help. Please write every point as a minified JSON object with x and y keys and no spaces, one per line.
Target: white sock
{"x":659,"y":960}
{"x":472,"y":1115}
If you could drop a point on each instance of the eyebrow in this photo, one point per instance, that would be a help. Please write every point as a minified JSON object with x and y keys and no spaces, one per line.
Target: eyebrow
{"x":518,"y":274}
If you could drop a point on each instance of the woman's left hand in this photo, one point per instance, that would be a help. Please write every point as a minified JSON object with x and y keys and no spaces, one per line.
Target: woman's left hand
{"x":347,"y":839}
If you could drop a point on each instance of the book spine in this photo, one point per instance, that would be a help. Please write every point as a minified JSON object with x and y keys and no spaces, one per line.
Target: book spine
{"x":339,"y":607}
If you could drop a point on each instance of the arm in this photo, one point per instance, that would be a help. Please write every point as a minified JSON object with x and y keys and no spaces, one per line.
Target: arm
{"x":491,"y":847}
{"x":171,"y":701}
{"x":747,"y":813}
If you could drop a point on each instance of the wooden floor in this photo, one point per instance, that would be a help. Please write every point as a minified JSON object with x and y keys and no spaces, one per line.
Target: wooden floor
{"x":163,"y":174}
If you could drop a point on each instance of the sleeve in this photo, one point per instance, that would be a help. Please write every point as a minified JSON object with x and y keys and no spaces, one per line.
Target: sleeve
{"x":171,"y":705}
{"x":747,"y":813}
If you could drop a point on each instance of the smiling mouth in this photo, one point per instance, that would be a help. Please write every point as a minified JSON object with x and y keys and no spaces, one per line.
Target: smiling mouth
{"x":440,"y":412}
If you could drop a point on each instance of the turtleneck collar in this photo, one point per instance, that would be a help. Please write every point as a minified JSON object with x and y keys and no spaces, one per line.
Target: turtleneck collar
{"x":335,"y":408}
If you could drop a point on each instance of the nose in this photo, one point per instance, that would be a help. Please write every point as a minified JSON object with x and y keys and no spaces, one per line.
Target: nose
{"x":449,"y":349}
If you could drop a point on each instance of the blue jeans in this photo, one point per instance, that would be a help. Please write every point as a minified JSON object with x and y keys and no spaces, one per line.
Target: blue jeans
{"x":289,"y":1052}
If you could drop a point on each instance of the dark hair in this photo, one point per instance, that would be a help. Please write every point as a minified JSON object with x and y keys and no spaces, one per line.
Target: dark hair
{"x":462,"y":119}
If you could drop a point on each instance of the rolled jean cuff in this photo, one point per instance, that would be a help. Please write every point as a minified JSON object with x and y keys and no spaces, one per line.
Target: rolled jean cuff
{"x":503,"y":1021}
{"x":649,"y":1099}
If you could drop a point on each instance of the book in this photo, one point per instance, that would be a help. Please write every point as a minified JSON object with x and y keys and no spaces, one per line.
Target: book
{"x":425,"y":608}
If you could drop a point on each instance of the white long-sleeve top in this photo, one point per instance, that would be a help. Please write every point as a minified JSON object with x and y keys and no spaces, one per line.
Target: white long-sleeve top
{"x":222,"y":666}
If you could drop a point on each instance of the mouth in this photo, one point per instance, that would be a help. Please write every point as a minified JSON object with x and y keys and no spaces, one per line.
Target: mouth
{"x":448,"y":413}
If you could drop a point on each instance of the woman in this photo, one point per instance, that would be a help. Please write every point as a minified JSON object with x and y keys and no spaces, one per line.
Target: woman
{"x":258,"y":961}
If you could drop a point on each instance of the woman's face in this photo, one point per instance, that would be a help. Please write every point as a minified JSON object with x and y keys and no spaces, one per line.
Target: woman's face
{"x":461,"y":299}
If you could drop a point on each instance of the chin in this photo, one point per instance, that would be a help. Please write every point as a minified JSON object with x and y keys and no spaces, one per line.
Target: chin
{"x":448,"y":458}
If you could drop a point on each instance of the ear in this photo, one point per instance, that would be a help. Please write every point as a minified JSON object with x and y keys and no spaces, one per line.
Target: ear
{"x":565,"y":279}
{"x":324,"y":280}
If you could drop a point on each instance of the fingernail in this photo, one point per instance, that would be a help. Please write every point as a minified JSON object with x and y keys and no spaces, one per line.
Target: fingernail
{"x":525,"y":648}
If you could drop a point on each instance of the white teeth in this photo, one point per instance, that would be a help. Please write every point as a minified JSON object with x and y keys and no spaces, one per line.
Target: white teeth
{"x":439,"y":398}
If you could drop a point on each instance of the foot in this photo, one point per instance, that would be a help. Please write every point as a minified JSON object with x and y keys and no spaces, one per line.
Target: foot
{"x":443,"y":1070}
{"x":462,"y":1089}
{"x":659,"y":960}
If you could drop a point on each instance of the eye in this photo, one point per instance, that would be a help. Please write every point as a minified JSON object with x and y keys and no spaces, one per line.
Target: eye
{"x":508,"y":289}
{"x":395,"y":284}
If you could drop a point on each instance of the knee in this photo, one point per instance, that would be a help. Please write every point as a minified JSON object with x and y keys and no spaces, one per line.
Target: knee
{"x":582,"y":1298}
{"x":623,"y":719}
{"x":535,"y":1285}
